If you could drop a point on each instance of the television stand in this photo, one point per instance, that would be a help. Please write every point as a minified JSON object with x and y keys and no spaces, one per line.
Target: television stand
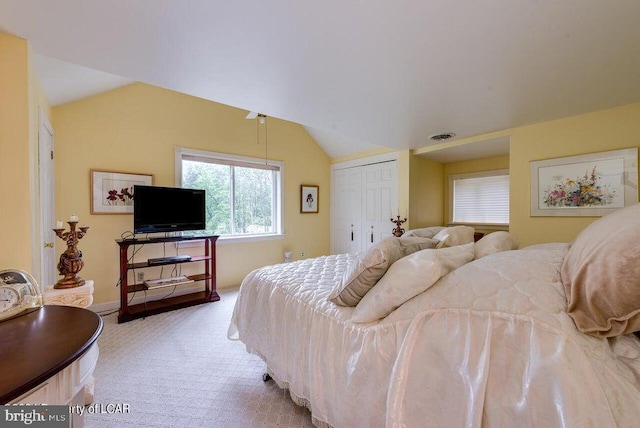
{"x":207,"y":277}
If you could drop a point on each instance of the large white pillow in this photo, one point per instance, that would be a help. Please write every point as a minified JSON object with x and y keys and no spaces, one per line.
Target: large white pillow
{"x":495,"y":242}
{"x":370,"y":265}
{"x":408,"y":277}
{"x":455,"y":235}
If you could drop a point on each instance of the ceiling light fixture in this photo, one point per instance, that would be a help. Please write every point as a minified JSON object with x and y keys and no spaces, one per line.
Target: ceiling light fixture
{"x":442,"y":137}
{"x":261,"y":119}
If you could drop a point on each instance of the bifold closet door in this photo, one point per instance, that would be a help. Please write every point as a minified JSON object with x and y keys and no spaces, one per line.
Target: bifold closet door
{"x":379,"y":201}
{"x":364,"y":197}
{"x":347,"y":210}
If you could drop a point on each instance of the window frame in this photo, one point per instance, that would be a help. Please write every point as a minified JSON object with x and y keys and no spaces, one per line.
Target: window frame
{"x":481,"y":174}
{"x":242,"y":161}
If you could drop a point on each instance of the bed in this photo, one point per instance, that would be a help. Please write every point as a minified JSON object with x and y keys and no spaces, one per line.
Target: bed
{"x":538,"y":336}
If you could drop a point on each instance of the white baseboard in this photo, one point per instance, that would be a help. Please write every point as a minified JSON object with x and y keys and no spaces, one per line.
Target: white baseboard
{"x":141,"y":297}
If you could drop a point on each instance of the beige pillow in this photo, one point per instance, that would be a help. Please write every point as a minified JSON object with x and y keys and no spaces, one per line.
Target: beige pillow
{"x":408,"y":277}
{"x":455,"y":235}
{"x":425,"y":232}
{"x":494,"y":243}
{"x":601,"y":275}
{"x":370,"y":265}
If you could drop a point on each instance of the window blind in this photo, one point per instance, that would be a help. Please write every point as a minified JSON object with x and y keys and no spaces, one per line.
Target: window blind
{"x":481,"y":200}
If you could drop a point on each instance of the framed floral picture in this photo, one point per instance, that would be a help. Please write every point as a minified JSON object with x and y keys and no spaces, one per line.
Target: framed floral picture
{"x":308,"y":199}
{"x":112,"y":192}
{"x":593,"y":184}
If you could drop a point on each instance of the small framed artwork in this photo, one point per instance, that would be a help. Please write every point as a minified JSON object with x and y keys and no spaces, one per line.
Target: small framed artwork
{"x":591,"y":185}
{"x":112,"y":192}
{"x":308,"y":199}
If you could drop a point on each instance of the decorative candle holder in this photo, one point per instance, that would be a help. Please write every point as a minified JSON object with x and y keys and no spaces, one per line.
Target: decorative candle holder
{"x":71,"y":260}
{"x":398,"y":231}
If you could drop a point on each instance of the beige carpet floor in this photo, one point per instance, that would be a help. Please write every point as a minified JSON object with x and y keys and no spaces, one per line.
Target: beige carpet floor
{"x":178,"y":369}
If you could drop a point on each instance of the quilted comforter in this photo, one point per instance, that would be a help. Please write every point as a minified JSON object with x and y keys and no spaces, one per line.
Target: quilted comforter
{"x":489,"y":345}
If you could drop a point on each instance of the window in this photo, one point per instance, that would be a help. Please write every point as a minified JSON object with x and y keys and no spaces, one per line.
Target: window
{"x":244,"y":195}
{"x":480,"y":198}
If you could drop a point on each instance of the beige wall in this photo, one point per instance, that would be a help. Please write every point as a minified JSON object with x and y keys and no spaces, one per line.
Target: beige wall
{"x":21,"y":97}
{"x":14,"y":153}
{"x":135,"y":129}
{"x":426,"y":198}
{"x":612,"y":129}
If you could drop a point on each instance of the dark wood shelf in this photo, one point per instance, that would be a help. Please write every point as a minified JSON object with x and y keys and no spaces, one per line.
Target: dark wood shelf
{"x":208,"y":277}
{"x":142,"y":287}
{"x":200,"y":277}
{"x":153,"y":307}
{"x":155,"y":240}
{"x":141,"y":265}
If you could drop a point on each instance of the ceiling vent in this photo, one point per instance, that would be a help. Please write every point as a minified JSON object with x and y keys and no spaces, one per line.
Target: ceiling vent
{"x":442,"y":137}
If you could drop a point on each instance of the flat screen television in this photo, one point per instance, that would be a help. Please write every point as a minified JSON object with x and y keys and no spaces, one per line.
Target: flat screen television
{"x":167,"y":209}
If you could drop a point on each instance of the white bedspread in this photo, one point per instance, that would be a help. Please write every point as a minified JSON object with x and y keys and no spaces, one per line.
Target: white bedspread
{"x":488,"y":345}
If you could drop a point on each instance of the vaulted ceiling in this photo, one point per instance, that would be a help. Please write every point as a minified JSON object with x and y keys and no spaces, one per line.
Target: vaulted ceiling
{"x":357,"y":74}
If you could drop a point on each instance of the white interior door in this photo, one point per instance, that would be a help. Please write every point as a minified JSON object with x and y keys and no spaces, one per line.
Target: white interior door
{"x":47,"y":203}
{"x":380,"y":201}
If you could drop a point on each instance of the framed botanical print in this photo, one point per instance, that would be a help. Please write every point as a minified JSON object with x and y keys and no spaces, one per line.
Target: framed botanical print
{"x":112,"y":192}
{"x":308,"y":199}
{"x":584,"y":185}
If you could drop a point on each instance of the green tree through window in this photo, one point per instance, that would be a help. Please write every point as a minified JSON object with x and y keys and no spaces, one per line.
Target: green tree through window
{"x":241,"y":198}
{"x":216,"y":181}
{"x":253,"y":198}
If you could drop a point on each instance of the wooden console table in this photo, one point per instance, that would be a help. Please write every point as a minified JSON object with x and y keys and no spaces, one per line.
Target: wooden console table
{"x":80,"y":297}
{"x":48,"y":355}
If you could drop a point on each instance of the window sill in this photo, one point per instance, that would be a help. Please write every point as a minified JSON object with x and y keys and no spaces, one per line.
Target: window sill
{"x":249,"y":238}
{"x":223,"y":240}
{"x":483,"y":226}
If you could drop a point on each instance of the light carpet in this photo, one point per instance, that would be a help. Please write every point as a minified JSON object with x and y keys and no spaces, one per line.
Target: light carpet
{"x":178,"y":369}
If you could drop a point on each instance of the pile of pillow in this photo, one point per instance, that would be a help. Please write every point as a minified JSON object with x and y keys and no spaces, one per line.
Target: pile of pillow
{"x":409,"y":277}
{"x":397,"y":269}
{"x":370,"y":265}
{"x":601,"y":275}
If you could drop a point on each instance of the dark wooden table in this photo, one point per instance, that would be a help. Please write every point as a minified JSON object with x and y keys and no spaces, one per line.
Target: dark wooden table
{"x":36,"y":346}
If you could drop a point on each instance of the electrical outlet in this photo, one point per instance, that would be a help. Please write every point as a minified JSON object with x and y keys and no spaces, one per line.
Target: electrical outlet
{"x":140,"y":276}
{"x":302,"y":254}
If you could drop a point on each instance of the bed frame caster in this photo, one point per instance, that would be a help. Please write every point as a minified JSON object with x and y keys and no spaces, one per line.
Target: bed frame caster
{"x":266,"y":377}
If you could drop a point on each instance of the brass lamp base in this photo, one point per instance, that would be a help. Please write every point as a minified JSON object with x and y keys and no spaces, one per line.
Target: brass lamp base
{"x":71,"y":282}
{"x":71,"y":260}
{"x":398,"y":231}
